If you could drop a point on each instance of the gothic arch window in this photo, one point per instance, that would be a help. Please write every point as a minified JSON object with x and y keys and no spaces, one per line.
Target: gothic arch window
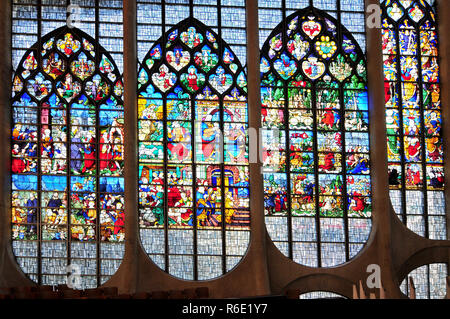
{"x":193,"y":153}
{"x":413,"y":116}
{"x":67,"y":160}
{"x":317,"y":187}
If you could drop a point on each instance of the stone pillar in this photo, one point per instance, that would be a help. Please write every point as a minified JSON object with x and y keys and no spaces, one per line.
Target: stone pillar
{"x":258,"y":230}
{"x":131,"y":153}
{"x":10,"y":273}
{"x":126,"y":278}
{"x":381,"y":231}
{"x":443,"y":7}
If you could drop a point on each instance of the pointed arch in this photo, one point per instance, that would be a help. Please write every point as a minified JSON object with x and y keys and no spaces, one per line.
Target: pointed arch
{"x":413,"y":116}
{"x":316,"y":142}
{"x":193,"y":153}
{"x":67,"y":163}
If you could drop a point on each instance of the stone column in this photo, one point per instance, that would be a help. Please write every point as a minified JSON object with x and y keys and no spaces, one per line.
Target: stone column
{"x":127,"y":276}
{"x":258,"y":230}
{"x":382,"y":210}
{"x":443,"y":7}
{"x":10,"y":273}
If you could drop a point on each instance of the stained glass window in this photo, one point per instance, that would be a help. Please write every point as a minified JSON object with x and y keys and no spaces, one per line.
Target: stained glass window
{"x":429,"y":281}
{"x":67,"y":143}
{"x":413,"y":116}
{"x":193,"y":149}
{"x":317,"y":187}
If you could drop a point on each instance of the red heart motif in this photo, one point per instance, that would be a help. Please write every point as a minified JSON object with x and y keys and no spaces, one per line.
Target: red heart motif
{"x":311,"y":28}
